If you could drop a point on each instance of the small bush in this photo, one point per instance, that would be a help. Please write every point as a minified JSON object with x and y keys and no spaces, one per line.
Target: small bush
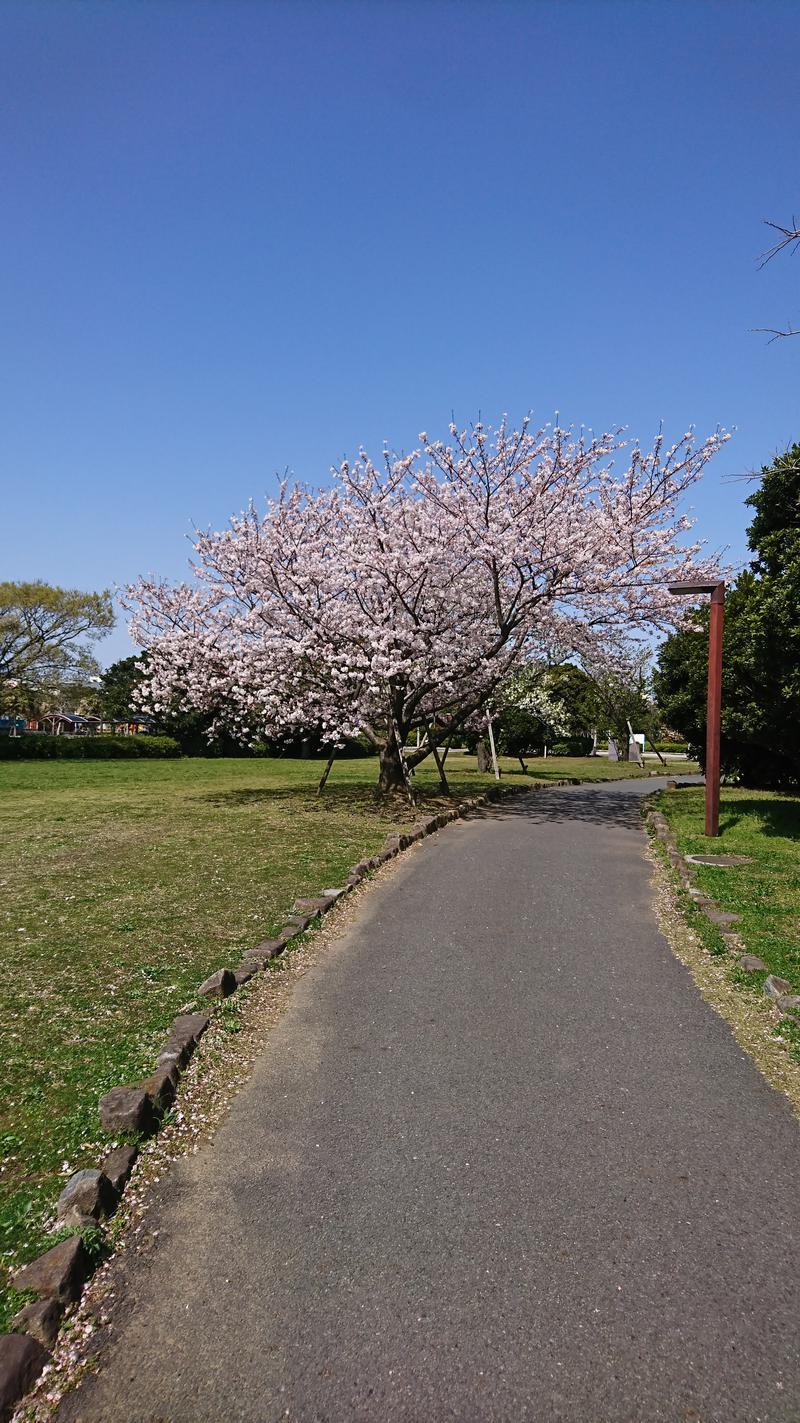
{"x":578,"y":746}
{"x":34,"y":747}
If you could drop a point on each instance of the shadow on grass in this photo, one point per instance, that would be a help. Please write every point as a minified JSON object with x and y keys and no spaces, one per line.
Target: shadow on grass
{"x":360,"y":798}
{"x":777,"y":817}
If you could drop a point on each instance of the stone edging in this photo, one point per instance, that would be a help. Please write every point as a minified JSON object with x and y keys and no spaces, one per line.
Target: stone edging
{"x":91,"y":1196}
{"x":776,"y":989}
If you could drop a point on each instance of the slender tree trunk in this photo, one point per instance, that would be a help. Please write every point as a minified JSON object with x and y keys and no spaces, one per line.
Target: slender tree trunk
{"x":658,"y":753}
{"x":440,"y":760}
{"x":326,"y":772}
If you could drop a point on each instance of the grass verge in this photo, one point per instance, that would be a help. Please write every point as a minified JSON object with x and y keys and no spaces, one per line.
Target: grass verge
{"x":765,"y":826}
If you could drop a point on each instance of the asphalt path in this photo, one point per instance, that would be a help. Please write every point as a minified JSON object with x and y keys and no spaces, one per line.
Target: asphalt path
{"x":500,"y":1161}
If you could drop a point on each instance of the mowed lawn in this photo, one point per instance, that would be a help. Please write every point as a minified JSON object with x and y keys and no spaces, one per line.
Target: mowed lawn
{"x":124,"y":884}
{"x":766,"y":893}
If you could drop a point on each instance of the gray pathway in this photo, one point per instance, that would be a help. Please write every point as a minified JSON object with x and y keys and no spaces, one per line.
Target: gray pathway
{"x":499,"y":1162}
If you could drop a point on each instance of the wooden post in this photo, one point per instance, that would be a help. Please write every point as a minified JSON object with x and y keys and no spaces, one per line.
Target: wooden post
{"x":494,"y":752}
{"x":440,"y":760}
{"x":326,"y":772}
{"x":715,"y":628}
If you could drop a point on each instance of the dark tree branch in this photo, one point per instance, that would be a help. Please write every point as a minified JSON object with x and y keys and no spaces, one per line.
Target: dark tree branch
{"x":774,"y":332}
{"x":790,"y":237}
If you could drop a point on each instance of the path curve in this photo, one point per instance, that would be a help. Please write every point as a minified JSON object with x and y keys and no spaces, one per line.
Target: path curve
{"x":500,"y":1161}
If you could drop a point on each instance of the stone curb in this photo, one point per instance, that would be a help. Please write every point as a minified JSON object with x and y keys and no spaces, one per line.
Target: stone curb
{"x":778,"y":991}
{"x":58,"y":1276}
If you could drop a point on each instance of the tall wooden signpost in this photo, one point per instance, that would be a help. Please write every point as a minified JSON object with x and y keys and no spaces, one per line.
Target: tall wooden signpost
{"x":714,"y":701}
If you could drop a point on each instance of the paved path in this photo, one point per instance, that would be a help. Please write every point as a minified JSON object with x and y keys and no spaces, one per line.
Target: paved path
{"x":500,"y":1162}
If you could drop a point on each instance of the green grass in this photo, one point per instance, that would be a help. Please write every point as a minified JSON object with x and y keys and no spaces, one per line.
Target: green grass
{"x":766,"y":894}
{"x":124,"y":884}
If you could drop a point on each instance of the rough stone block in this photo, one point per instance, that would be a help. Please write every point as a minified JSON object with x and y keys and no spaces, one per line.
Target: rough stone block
{"x":160,"y":1086}
{"x":219,"y":985}
{"x":118,"y":1165}
{"x":267,"y":949}
{"x":788,"y":1002}
{"x":312,"y":906}
{"x":58,"y":1274}
{"x":22,"y":1359}
{"x":256,"y":962}
{"x":245,"y":972}
{"x":751,"y":963}
{"x":775,"y":987}
{"x":189,"y":1027}
{"x":720,"y":917}
{"x":126,"y":1109}
{"x":41,"y":1320}
{"x":87,"y":1193}
{"x":187,"y":1030}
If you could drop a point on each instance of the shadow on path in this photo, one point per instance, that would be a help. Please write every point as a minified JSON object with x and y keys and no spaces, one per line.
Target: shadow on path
{"x":616,"y":803}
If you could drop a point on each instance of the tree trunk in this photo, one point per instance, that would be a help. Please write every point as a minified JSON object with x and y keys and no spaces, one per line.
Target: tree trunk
{"x":482,"y":752}
{"x":391,"y":776}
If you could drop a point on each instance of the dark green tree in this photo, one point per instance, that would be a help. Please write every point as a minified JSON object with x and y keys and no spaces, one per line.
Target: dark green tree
{"x":116,"y":698}
{"x":619,"y":698}
{"x":760,"y":742}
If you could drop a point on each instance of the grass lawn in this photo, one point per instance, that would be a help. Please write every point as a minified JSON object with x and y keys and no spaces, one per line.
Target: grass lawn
{"x":766,"y":893}
{"x":124,"y":884}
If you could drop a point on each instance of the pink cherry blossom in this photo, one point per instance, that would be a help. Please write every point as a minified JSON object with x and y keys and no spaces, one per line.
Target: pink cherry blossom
{"x":399,"y":598}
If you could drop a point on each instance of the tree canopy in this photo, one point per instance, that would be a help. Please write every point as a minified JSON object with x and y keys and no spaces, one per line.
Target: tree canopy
{"x":401,"y":597}
{"x":46,"y":635}
{"x":760,"y":743}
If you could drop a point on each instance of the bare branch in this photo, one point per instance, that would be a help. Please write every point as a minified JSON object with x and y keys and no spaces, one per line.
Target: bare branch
{"x":774,"y":333}
{"x":790,"y":237}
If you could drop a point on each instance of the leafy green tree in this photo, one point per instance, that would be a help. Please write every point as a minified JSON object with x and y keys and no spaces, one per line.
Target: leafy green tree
{"x":46,"y":637}
{"x":118,"y":700}
{"x":543,"y":705}
{"x":622,"y":697}
{"x":118,"y":686}
{"x":760,"y":742}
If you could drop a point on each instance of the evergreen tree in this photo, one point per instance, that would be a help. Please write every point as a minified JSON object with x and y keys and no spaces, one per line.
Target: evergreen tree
{"x":760,"y":742}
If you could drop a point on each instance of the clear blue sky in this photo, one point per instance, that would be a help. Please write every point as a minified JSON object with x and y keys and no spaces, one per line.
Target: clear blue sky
{"x":238,"y":238}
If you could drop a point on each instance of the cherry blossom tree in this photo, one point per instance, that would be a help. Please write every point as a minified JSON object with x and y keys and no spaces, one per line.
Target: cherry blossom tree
{"x":399,"y":599}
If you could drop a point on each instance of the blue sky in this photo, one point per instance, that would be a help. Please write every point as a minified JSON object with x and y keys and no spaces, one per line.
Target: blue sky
{"x":240,"y":238}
